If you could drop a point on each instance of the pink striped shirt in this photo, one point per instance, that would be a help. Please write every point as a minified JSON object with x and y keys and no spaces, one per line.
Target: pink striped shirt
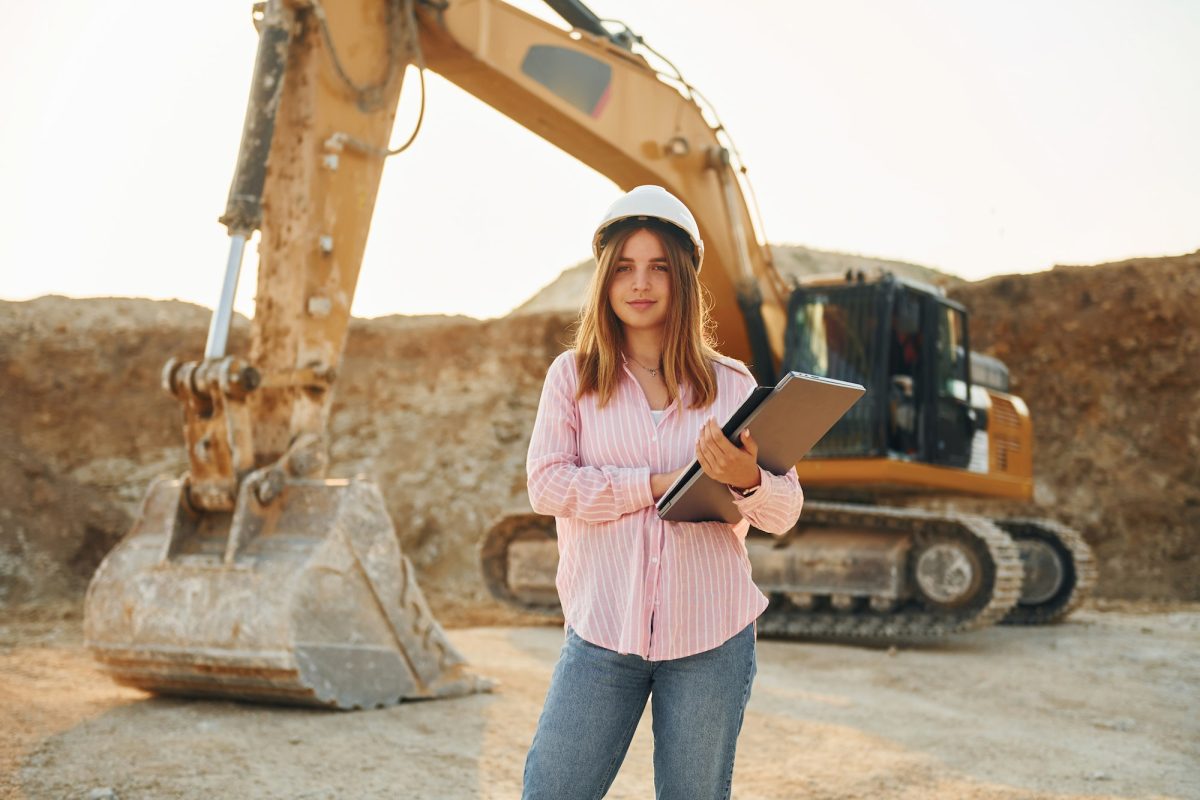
{"x":629,"y":581}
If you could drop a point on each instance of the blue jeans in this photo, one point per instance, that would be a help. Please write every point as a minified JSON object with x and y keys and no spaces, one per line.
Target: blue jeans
{"x":596,"y":698}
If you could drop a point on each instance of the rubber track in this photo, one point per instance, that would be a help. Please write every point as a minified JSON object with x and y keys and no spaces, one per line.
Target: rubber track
{"x":1083,"y":566}
{"x":909,"y":621}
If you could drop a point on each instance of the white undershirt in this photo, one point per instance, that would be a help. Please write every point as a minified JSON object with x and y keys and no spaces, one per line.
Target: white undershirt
{"x":657,"y":415}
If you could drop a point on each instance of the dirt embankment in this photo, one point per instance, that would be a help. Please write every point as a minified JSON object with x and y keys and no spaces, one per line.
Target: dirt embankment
{"x":83,"y":428}
{"x":438,"y":411}
{"x":1108,"y":360}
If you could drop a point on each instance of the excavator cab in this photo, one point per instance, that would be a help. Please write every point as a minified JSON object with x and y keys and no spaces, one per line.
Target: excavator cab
{"x":908,"y":345}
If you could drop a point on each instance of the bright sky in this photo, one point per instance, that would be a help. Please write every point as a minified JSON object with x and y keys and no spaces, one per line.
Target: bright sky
{"x":979,"y":138}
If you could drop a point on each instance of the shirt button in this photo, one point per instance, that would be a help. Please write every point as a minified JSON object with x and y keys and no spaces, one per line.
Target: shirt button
{"x":654,"y":560}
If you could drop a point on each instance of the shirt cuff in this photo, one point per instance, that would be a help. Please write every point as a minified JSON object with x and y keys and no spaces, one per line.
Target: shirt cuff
{"x":760,"y":496}
{"x":636,"y":492}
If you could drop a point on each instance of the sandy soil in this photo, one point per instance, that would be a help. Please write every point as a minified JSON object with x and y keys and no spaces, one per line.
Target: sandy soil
{"x":1105,"y":706}
{"x":438,"y":412}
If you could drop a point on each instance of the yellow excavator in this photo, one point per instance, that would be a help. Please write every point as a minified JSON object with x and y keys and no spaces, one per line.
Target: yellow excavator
{"x":256,"y":576}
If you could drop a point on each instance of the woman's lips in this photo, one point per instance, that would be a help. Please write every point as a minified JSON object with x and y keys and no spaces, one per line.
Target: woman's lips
{"x":641,"y":305}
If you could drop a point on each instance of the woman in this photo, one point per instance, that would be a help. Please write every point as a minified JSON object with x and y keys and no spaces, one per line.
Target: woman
{"x":654,"y":609}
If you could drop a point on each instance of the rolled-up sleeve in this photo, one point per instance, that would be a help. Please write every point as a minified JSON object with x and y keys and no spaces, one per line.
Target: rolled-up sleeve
{"x":557,"y":484}
{"x":775,"y":506}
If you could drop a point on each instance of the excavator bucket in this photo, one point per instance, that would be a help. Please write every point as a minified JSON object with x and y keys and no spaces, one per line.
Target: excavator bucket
{"x":307,"y":600}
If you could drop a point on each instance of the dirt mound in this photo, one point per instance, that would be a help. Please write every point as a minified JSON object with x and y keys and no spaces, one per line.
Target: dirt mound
{"x":55,"y":529}
{"x":83,"y":427}
{"x":438,"y":411}
{"x":564,"y":293}
{"x":797,"y":261}
{"x":440,"y":416}
{"x":1108,"y":360}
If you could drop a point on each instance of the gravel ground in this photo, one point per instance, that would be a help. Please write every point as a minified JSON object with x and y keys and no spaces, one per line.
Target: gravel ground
{"x":1105,"y":706}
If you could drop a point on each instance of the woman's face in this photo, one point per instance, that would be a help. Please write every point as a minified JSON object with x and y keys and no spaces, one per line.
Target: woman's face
{"x":640,"y":291}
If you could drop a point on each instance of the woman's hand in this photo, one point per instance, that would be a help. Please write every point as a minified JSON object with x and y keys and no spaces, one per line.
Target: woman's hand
{"x":722,"y":461}
{"x":661,"y":481}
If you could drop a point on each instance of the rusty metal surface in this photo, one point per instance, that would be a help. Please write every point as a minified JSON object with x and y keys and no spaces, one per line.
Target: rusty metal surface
{"x":308,"y":601}
{"x":832,"y":561}
{"x":914,"y":617}
{"x":318,"y":199}
{"x":845,"y":554}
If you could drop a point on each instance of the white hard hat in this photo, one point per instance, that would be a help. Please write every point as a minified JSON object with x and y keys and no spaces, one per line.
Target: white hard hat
{"x":652,"y":202}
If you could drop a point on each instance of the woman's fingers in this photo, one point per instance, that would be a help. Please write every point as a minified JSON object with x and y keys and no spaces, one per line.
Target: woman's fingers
{"x":708,"y":455}
{"x":717,"y":458}
{"x":727,"y":449}
{"x":705,"y":453}
{"x":720,"y":458}
{"x":722,"y":449}
{"x":750,"y":445}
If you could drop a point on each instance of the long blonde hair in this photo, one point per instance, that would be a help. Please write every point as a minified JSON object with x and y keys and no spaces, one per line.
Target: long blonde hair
{"x":688,"y":349}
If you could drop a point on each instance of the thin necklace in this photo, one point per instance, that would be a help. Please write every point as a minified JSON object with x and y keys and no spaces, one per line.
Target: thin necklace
{"x":653,"y":372}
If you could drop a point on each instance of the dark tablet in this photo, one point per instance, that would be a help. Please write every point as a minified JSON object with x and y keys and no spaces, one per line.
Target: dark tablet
{"x":786,"y":421}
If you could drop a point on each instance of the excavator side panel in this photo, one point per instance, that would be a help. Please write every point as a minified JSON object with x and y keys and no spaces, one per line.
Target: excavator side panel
{"x":894,"y":476}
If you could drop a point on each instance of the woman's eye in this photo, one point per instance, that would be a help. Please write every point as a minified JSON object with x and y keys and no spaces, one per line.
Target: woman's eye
{"x":661,"y":267}
{"x":622,"y":269}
